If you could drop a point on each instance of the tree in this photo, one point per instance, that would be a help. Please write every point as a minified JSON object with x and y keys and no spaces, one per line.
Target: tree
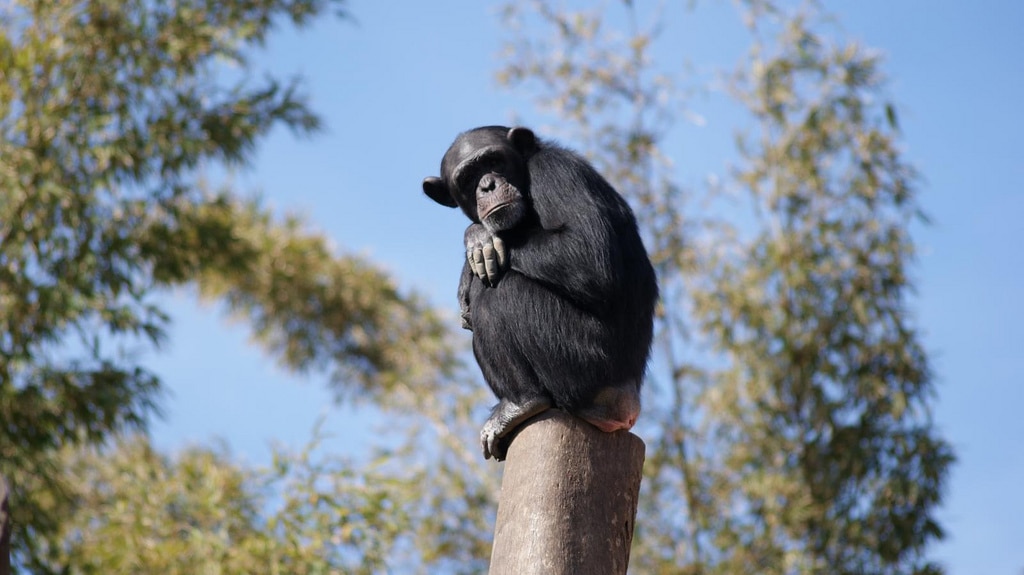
{"x":798,"y":437}
{"x":137,"y":511}
{"x":110,"y":111}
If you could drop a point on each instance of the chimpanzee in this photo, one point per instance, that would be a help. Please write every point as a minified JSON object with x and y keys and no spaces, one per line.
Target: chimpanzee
{"x":557,"y":287}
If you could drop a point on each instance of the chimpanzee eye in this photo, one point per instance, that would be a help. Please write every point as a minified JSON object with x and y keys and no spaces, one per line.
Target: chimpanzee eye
{"x":485,"y":164}
{"x":490,"y":163}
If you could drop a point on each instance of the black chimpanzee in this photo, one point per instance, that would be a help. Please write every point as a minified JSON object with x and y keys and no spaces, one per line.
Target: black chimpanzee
{"x":557,"y":286}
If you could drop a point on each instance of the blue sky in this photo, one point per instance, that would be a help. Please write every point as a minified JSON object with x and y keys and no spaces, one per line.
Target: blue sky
{"x":398,"y":84}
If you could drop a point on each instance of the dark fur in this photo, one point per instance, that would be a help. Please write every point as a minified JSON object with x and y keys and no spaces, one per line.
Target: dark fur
{"x":573,"y":315}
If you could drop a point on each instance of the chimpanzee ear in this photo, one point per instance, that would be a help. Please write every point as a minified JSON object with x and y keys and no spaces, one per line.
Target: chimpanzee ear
{"x":434,"y":188}
{"x":523,"y":140}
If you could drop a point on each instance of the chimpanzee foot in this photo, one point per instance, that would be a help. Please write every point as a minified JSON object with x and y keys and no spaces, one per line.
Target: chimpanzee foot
{"x":505,"y":417}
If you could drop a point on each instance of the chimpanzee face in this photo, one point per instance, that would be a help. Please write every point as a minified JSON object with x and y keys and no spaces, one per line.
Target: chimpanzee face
{"x":485,"y":173}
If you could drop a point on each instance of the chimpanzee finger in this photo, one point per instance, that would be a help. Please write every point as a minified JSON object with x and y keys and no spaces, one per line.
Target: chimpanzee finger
{"x":476,"y":262}
{"x":485,"y":444}
{"x":499,"y":247}
{"x":491,"y":263}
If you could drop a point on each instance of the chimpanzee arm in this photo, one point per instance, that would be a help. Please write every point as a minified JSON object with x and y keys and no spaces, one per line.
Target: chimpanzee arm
{"x":577,"y":259}
{"x":464,"y":304}
{"x":571,"y":259}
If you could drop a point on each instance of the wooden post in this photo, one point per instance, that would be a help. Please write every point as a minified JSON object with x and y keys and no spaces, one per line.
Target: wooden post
{"x":568,"y":499}
{"x":5,"y":530}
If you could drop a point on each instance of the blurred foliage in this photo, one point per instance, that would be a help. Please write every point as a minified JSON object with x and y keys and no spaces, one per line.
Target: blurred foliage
{"x":136,"y":511}
{"x":110,"y":111}
{"x":127,"y":509}
{"x":789,"y":430}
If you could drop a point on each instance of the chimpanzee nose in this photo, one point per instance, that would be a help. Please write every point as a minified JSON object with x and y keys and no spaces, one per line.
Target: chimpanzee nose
{"x":487,"y":183}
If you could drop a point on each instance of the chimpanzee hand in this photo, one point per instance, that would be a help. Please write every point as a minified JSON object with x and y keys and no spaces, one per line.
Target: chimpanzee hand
{"x":486,"y":254}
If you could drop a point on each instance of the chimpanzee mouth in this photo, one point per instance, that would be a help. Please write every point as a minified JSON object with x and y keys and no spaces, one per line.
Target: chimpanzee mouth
{"x":496,"y":211}
{"x":504,"y":216}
